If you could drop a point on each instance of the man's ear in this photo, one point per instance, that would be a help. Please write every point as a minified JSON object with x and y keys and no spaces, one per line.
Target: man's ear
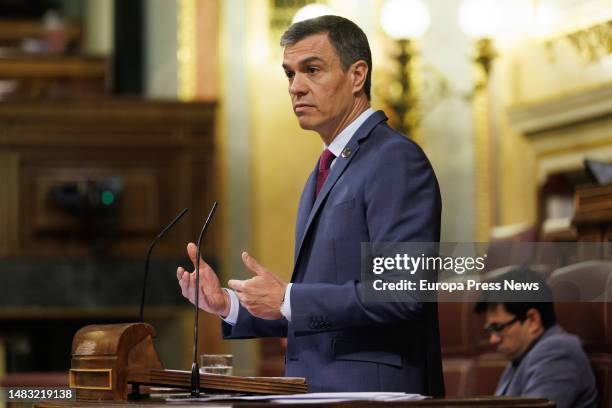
{"x":359,"y":73}
{"x":535,"y":320}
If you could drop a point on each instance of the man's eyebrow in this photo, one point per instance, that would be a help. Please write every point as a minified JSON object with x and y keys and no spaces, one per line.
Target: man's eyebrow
{"x":311,"y":59}
{"x":306,"y":61}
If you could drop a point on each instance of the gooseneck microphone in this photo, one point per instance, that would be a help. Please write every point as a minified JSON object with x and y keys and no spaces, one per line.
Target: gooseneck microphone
{"x":195,"y":371}
{"x":146,"y":270}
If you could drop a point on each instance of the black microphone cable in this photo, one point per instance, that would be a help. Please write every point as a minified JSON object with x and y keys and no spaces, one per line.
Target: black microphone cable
{"x":146,"y":270}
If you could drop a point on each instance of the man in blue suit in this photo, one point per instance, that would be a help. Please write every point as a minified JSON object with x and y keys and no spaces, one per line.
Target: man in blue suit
{"x":371,"y":184}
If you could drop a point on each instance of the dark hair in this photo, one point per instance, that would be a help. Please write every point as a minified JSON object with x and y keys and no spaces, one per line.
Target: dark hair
{"x":540,"y":300}
{"x":349,"y":41}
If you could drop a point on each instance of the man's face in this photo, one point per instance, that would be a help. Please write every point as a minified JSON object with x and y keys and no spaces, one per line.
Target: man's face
{"x":321,"y":92}
{"x":514,"y":339}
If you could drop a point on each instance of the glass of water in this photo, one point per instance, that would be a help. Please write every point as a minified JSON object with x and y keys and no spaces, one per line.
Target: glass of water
{"x":216,"y":364}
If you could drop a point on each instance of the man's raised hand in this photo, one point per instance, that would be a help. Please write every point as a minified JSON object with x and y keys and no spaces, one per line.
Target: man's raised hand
{"x":213,"y":298}
{"x":263,"y":294}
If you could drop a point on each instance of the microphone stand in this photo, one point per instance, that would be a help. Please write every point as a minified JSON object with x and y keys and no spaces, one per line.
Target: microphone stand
{"x":135,"y":393}
{"x":195,"y":370}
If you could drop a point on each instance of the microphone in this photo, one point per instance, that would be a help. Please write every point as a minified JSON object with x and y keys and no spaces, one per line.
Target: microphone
{"x":146,"y":271}
{"x":195,"y":370}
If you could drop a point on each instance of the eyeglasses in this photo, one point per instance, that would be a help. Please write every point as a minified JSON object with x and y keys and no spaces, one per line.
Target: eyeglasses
{"x":497,"y":328}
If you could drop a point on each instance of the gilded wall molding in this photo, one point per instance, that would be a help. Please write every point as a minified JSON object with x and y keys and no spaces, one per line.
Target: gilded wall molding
{"x":563,"y":131}
{"x":591,"y":44}
{"x":564,"y":110}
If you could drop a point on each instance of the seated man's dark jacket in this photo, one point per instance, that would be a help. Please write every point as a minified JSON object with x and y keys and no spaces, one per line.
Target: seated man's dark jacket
{"x":555,"y":368}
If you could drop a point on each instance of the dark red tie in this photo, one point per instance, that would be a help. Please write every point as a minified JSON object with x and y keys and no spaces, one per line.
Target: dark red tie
{"x":325,"y":162}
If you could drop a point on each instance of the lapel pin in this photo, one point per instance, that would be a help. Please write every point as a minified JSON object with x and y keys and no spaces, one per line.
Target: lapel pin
{"x":346,"y":152}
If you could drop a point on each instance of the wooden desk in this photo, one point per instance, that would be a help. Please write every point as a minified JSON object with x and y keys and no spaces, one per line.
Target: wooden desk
{"x":498,"y":402}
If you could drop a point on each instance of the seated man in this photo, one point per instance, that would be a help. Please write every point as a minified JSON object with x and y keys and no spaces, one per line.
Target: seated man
{"x":545,"y":360}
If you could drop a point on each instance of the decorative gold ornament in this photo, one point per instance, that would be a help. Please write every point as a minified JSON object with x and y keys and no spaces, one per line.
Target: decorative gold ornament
{"x":591,"y":44}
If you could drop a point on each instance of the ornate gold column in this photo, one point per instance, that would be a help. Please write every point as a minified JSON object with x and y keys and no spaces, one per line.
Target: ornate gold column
{"x":401,"y":94}
{"x":484,"y":188}
{"x":186,"y":54}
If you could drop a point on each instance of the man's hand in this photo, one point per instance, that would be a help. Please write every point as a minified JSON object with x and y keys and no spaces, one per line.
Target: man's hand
{"x":263,"y":294}
{"x":212,"y":298}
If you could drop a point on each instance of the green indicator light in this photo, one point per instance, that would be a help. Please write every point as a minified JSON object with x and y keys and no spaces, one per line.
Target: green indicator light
{"x":108,"y":197}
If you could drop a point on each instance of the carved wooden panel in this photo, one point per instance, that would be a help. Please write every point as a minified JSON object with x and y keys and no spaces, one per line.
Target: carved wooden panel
{"x":161,"y":153}
{"x":139,"y":204}
{"x":164,"y":155}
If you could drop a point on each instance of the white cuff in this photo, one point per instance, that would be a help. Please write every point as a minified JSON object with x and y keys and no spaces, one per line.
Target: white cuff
{"x":285,"y":308}
{"x":232,"y":317}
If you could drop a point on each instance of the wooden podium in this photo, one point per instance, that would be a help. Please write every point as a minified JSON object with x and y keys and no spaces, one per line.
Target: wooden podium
{"x":106,"y":359}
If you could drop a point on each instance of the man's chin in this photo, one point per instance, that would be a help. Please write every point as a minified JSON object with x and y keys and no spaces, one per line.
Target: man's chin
{"x":305,"y":123}
{"x":507,"y":355}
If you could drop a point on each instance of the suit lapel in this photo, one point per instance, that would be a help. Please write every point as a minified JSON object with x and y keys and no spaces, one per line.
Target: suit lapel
{"x":505,"y":380}
{"x":306,"y":202}
{"x":339,"y":167}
